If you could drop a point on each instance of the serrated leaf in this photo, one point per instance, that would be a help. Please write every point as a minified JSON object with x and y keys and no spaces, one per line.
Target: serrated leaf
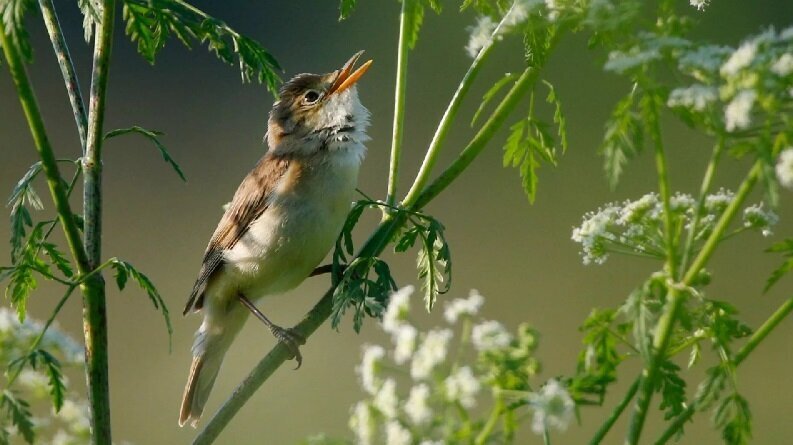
{"x":149,"y":23}
{"x":18,"y":411}
{"x":623,"y":140}
{"x":92,"y":14}
{"x":407,"y":239}
{"x":734,"y":417}
{"x":153,"y":136}
{"x":433,"y":263}
{"x":414,"y":11}
{"x":19,"y":288}
{"x":13,"y":16}
{"x":58,"y":259}
{"x":345,"y":8}
{"x":672,"y":389}
{"x":558,"y":115}
{"x":52,"y":367}
{"x":491,"y":93}
{"x":124,"y":269}
{"x":786,"y":248}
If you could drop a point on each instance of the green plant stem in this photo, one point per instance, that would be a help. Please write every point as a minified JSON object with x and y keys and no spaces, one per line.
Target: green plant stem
{"x":675,"y":300}
{"x":279,"y":354}
{"x":524,"y":83}
{"x":399,"y":103}
{"x":67,"y":68}
{"x":492,"y":421}
{"x":759,"y":335}
{"x":615,"y":415}
{"x":94,"y":303}
{"x":431,"y":157}
{"x":707,"y":181}
{"x":37,"y":341}
{"x":48,"y":162}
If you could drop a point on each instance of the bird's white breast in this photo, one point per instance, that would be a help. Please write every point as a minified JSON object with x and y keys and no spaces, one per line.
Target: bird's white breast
{"x":304,"y":217}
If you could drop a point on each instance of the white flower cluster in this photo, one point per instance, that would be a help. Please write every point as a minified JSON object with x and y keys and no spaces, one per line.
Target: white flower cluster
{"x":784,"y":168}
{"x":69,"y":426}
{"x":485,"y":31}
{"x":699,"y":4}
{"x":439,"y":384}
{"x":635,"y":227}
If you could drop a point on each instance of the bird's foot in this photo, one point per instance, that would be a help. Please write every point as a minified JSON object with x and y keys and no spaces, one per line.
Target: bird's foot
{"x":292,"y":340}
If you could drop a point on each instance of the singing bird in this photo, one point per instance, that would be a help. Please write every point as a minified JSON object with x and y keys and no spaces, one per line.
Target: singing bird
{"x":283,"y":219}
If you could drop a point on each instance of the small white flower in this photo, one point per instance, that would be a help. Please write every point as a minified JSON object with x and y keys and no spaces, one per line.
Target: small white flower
{"x":717,"y":202}
{"x":490,"y":335}
{"x":740,"y":59}
{"x":481,"y":35}
{"x":783,"y":65}
{"x":63,"y":438}
{"x":362,"y":424}
{"x":757,"y":217}
{"x":398,"y":308}
{"x":696,"y":97}
{"x":404,"y":339}
{"x":463,"y":306}
{"x":553,"y":407}
{"x":386,"y":400}
{"x":431,"y":442}
{"x":699,"y":4}
{"x":417,"y":407}
{"x":431,"y":352}
{"x":462,"y":386}
{"x":633,"y":211}
{"x":396,"y":434}
{"x":738,"y":113}
{"x":372,"y":356}
{"x":8,"y":321}
{"x":518,"y":13}
{"x":784,"y":168}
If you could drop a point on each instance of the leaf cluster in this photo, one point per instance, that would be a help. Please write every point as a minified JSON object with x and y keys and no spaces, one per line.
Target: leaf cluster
{"x":150,"y":23}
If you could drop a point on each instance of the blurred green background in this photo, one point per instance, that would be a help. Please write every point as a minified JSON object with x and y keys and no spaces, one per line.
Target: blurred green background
{"x":519,"y":256}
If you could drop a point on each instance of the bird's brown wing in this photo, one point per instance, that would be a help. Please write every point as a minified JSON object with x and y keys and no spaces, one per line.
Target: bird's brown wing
{"x":250,"y":201}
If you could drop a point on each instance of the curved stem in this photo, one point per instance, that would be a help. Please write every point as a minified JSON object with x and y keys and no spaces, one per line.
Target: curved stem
{"x":399,"y":103}
{"x":431,"y":157}
{"x":67,"y":68}
{"x":94,"y":303}
{"x":707,"y":181}
{"x":526,"y":80}
{"x":618,"y":410}
{"x":490,"y":425}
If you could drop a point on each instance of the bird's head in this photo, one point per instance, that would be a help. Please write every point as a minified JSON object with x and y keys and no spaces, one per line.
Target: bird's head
{"x":318,"y":112}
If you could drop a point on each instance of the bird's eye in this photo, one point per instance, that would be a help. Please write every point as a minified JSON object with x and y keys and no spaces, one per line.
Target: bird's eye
{"x":311,"y":96}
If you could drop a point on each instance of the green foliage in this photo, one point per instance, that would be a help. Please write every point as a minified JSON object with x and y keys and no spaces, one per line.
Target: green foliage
{"x":598,"y":361}
{"x":124,"y":271}
{"x":491,"y":93}
{"x":369,"y":296}
{"x":18,"y":411}
{"x":734,"y":418}
{"x":672,"y":388}
{"x":624,"y":138}
{"x":22,"y":196}
{"x":153,"y":136}
{"x":150,"y":23}
{"x":38,"y":359}
{"x":345,"y":8}
{"x":786,"y":249}
{"x":12,"y":12}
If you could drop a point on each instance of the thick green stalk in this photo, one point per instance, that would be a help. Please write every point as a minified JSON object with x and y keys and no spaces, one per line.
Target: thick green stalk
{"x":280,"y":353}
{"x":707,"y":181}
{"x":399,"y":103}
{"x":49,"y":164}
{"x":94,"y":304}
{"x":67,"y":68}
{"x":615,"y":415}
{"x":431,"y":157}
{"x":759,"y":335}
{"x":675,"y":299}
{"x":492,"y":421}
{"x":526,"y":80}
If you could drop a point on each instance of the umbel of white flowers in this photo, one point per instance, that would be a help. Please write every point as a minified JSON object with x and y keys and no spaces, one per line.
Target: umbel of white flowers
{"x":399,"y":412}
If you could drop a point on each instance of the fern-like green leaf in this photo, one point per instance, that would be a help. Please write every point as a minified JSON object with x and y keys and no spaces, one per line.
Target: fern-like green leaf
{"x":624,"y":139}
{"x":491,"y":93}
{"x":18,"y":411}
{"x":154,"y":137}
{"x":123,"y":270}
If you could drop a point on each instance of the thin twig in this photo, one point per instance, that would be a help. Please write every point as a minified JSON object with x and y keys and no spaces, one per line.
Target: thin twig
{"x":67,"y":68}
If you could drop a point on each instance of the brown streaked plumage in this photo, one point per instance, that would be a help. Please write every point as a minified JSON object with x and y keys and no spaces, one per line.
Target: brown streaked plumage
{"x":282,"y":221}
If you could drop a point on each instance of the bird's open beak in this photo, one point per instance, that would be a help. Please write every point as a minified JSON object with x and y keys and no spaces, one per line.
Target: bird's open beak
{"x":347,"y":77}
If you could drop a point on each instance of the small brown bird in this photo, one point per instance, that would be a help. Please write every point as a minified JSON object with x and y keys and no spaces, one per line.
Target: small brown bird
{"x":283,"y":220}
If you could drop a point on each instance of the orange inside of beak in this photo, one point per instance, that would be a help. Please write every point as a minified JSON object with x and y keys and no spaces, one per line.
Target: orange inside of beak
{"x":347,"y":79}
